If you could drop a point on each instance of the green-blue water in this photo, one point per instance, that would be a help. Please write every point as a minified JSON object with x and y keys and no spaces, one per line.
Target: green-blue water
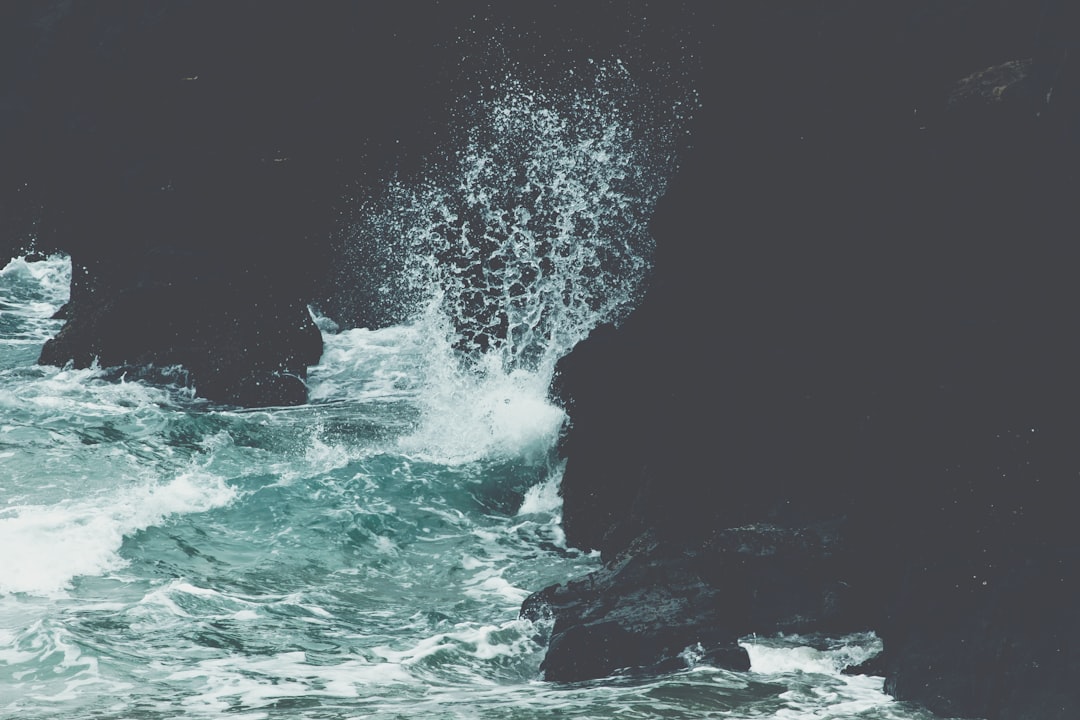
{"x":364,"y":556}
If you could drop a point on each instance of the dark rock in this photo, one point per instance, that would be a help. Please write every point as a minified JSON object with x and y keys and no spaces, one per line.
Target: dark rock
{"x":860,"y":318}
{"x":599,"y":484}
{"x":189,"y":156}
{"x":653,"y":601}
{"x":978,"y":641}
{"x":243,"y":342}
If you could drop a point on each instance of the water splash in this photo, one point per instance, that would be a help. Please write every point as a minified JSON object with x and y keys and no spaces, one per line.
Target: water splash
{"x":505,"y":254}
{"x":30,"y":292}
{"x":532,"y":232}
{"x":810,"y":654}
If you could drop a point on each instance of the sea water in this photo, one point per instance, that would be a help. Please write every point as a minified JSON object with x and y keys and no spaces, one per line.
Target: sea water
{"x":365,"y":555}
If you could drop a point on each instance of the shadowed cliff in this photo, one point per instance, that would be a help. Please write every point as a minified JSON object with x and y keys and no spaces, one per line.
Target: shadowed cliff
{"x":855,"y":367}
{"x":848,"y":400}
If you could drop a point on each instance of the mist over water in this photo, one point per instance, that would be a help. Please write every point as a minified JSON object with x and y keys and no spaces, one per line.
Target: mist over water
{"x":364,"y":556}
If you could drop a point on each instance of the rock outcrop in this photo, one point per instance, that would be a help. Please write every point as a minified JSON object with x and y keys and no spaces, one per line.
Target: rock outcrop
{"x":861,"y":319}
{"x":189,"y":157}
{"x":849,"y":400}
{"x":656,"y":600}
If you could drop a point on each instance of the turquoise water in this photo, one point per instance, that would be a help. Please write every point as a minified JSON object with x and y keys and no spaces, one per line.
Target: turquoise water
{"x":364,"y":556}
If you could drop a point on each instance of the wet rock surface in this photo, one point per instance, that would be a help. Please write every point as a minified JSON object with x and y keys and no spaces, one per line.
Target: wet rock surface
{"x":860,"y":320}
{"x":652,"y":603}
{"x":849,"y":399}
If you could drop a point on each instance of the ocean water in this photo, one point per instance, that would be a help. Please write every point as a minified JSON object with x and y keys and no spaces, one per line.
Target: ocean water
{"x":365,"y":555}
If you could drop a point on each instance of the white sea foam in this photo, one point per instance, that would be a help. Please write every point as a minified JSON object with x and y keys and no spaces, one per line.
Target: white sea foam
{"x":505,"y":257}
{"x":773,"y":660}
{"x":466,"y":412}
{"x":49,"y":667}
{"x":797,"y":653}
{"x":399,"y":587}
{"x":543,"y":498}
{"x":48,"y":546}
{"x":48,"y":280}
{"x":483,"y":642}
{"x":30,"y":293}
{"x":366,"y":365}
{"x":242,"y":685}
{"x":490,"y":413}
{"x":831,"y":695}
{"x":319,"y":458}
{"x":491,"y":584}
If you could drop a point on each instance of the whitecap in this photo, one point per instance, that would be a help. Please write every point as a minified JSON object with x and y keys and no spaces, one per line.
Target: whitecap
{"x":543,"y":498}
{"x":47,"y":546}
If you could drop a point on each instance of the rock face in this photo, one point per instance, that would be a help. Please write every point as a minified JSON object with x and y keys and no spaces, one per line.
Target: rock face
{"x":849,"y":400}
{"x":189,"y":156}
{"x":655,"y":600}
{"x":861,"y":320}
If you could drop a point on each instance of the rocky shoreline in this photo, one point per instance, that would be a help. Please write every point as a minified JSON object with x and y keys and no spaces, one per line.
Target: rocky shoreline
{"x":849,"y":400}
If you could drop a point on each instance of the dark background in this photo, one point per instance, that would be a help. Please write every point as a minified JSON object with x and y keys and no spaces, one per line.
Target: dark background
{"x":863,"y":311}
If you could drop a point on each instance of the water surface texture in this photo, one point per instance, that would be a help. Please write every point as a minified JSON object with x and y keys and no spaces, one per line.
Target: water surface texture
{"x":366,"y":555}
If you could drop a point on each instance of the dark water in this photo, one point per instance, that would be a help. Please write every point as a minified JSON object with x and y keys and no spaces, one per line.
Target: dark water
{"x":365,"y":555}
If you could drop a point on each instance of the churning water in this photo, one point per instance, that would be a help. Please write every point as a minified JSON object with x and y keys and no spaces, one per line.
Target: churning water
{"x":364,"y":556}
